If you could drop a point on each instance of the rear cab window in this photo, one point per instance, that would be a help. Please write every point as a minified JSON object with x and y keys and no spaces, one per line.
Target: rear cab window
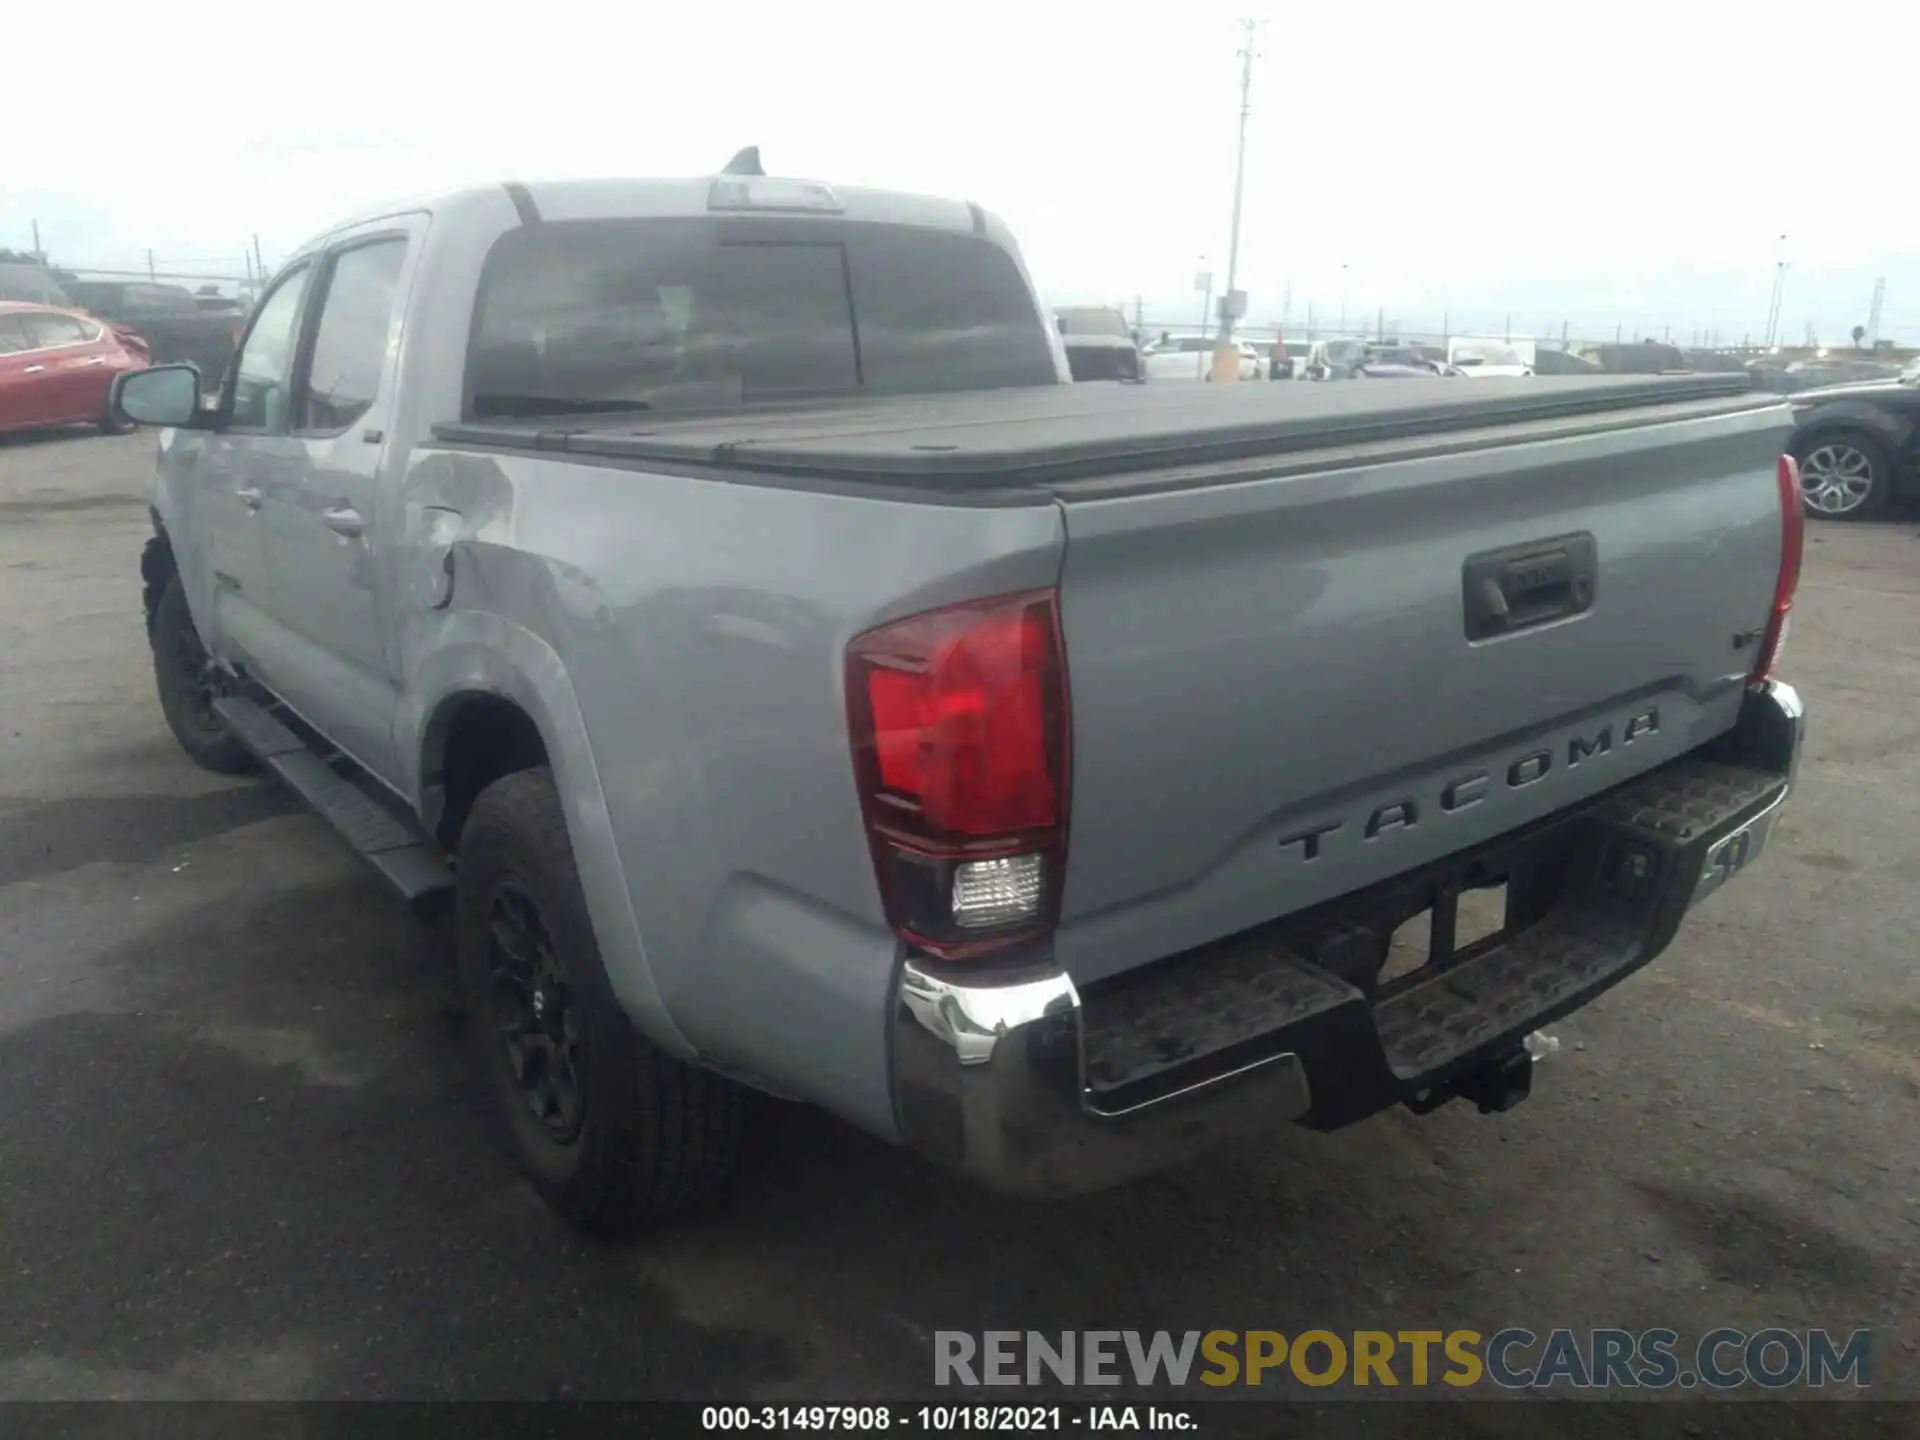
{"x":577,"y":317}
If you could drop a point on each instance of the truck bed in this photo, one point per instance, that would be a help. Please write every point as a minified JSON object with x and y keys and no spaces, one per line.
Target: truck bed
{"x":1118,"y":435}
{"x":1284,"y":681}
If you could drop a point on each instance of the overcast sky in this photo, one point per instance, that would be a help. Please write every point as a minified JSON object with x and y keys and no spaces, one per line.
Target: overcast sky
{"x":1596,"y":164}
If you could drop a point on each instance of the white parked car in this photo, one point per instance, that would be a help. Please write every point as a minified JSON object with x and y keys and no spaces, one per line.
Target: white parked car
{"x":1486,"y":359}
{"x":1190,"y":357}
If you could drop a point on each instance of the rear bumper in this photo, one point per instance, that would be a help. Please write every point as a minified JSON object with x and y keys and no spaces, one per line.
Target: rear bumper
{"x":1029,"y":1086}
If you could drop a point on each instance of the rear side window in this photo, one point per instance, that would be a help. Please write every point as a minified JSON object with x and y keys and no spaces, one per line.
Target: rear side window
{"x":690,"y":314}
{"x":350,"y":347}
{"x":49,"y":330}
{"x":13,"y":335}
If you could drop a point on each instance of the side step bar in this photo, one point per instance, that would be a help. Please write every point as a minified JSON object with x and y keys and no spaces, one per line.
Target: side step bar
{"x":402,"y":854}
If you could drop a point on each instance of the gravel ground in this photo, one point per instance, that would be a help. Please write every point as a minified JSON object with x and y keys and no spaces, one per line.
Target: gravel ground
{"x":240,"y":1156}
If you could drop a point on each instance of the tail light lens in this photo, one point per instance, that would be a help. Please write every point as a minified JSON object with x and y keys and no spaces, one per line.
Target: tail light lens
{"x":1793,"y":535}
{"x":958,"y":719}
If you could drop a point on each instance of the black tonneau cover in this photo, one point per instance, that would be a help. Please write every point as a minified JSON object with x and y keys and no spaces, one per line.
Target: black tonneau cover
{"x":1055,"y":433}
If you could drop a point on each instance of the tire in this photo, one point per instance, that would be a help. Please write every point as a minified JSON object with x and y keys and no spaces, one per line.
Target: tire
{"x":109,"y":423}
{"x":188,"y":687}
{"x":615,"y":1135}
{"x":1844,"y":475}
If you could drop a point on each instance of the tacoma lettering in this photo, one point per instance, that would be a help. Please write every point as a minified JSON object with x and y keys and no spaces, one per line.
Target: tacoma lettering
{"x":1309,"y":840}
{"x":1645,"y":723}
{"x":1578,"y":749}
{"x":1457,"y":797}
{"x":1401,"y":814}
{"x":1529,"y":768}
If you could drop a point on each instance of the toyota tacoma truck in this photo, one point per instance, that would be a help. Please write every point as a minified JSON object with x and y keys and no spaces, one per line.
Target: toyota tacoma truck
{"x":715,"y":594}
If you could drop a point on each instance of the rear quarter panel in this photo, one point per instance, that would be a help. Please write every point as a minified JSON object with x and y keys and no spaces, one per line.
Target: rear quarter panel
{"x":699,"y":628}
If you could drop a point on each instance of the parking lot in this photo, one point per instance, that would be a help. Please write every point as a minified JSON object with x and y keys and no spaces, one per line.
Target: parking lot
{"x":240,"y":1156}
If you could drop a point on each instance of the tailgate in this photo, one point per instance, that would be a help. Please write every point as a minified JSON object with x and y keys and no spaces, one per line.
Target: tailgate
{"x":1281,"y":692}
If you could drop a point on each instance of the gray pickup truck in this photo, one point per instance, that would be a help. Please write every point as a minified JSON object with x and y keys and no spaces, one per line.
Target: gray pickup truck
{"x":715,"y":594}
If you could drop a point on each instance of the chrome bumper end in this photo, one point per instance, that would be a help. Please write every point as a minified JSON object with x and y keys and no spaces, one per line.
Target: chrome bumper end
{"x":989,"y":1081}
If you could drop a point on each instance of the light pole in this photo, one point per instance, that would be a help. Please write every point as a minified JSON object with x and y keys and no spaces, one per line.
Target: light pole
{"x":1343,"y":298}
{"x":1779,"y":288}
{"x":1227,"y":317}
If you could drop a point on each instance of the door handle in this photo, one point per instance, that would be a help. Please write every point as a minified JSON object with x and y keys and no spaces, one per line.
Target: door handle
{"x":33,"y":370}
{"x":344,"y":520}
{"x":250,"y":496}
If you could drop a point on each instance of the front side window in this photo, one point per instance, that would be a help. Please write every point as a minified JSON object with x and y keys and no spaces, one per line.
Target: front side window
{"x":350,"y":347}
{"x":260,"y":371}
{"x":577,"y":317}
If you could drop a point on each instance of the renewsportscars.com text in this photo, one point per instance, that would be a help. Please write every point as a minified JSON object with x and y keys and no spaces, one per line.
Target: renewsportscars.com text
{"x":1513,"y":1358}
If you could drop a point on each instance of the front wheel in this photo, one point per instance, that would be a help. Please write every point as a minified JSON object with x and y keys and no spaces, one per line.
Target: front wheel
{"x":189,"y":683}
{"x":615,"y":1135}
{"x":1844,"y":475}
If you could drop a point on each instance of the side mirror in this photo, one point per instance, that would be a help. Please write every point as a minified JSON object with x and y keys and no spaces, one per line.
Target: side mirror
{"x":167,"y":395}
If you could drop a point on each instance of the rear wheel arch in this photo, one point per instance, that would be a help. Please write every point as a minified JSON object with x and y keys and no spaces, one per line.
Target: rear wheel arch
{"x":473,"y":738}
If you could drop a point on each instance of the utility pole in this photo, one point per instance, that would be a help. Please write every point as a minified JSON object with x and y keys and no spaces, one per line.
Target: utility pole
{"x":1139,"y":313}
{"x":1227,"y":316}
{"x":259,"y":265}
{"x":38,"y":253}
{"x":1286,"y":304}
{"x":1873,"y":315}
{"x":1343,"y":297}
{"x":150,"y":274}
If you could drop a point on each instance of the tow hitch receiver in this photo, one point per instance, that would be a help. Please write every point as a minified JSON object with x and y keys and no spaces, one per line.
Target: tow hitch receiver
{"x":1496,"y":1086}
{"x":1500,"y":1084}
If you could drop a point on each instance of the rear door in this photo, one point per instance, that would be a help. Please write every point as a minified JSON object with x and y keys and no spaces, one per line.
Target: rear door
{"x":322,"y":526}
{"x":1281,"y":690}
{"x":73,"y":365}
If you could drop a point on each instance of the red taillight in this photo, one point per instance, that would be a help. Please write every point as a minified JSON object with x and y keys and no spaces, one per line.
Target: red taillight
{"x":959,"y":729}
{"x":1793,"y":536}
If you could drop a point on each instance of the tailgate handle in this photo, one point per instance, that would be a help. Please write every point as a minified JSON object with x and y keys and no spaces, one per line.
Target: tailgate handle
{"x":1521,"y":586}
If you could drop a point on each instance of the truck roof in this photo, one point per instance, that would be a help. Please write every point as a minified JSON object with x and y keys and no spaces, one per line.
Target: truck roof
{"x":620,"y":199}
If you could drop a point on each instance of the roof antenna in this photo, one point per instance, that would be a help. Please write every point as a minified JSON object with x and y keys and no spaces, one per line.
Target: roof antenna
{"x":746,"y":162}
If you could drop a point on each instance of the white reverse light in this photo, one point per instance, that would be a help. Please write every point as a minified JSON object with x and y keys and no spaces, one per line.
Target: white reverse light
{"x":988,"y":893}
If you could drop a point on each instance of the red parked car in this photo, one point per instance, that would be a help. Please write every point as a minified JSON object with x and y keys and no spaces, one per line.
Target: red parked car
{"x":56,"y":367}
